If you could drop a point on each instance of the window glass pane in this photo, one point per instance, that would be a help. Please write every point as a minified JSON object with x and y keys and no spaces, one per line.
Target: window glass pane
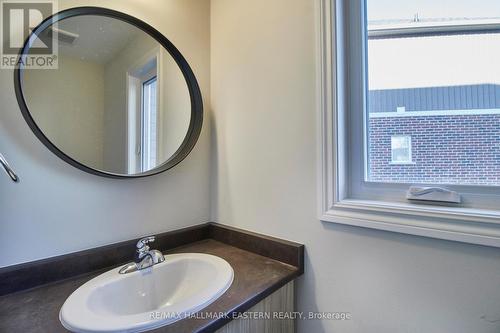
{"x":434,"y":74}
{"x":401,"y":149}
{"x":149,"y":125}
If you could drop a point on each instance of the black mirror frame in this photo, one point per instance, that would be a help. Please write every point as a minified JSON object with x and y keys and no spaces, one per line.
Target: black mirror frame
{"x":196,"y":120}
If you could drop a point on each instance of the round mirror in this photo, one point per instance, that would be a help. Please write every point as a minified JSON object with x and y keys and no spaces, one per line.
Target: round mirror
{"x":118,"y":100}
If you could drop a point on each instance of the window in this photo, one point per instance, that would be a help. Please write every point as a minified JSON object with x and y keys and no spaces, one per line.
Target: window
{"x":411,"y":96}
{"x":433,"y":74}
{"x":401,"y":149}
{"x":149,"y":124}
{"x":143,"y":117}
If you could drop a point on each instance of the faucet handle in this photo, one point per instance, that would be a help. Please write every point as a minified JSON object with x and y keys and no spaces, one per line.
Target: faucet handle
{"x":142,"y":243}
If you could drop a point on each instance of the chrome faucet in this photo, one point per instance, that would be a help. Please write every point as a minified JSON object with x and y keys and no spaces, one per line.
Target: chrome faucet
{"x":144,"y":257}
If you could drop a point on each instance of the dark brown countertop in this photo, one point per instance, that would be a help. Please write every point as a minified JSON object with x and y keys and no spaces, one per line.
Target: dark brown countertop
{"x":255,"y":277}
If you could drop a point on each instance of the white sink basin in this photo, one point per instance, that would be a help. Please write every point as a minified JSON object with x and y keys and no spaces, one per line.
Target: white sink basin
{"x":136,"y":302}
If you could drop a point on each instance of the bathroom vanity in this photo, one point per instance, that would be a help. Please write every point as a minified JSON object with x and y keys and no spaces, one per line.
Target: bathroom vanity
{"x":261,"y":292}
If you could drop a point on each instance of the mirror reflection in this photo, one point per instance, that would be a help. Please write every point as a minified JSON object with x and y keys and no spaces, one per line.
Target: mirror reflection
{"x":117,"y":102}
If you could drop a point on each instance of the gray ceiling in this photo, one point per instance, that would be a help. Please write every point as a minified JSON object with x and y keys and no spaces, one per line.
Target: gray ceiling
{"x":100,"y":38}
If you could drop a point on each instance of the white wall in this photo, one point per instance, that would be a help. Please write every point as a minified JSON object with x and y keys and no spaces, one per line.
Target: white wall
{"x":64,"y":100}
{"x":264,"y":108}
{"x":176,"y":108}
{"x":58,"y":209}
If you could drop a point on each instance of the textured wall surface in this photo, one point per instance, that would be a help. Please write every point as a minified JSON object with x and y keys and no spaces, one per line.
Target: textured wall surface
{"x":460,"y":149}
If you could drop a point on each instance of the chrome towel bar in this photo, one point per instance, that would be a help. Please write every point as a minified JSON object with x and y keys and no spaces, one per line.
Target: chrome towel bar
{"x":8,"y":169}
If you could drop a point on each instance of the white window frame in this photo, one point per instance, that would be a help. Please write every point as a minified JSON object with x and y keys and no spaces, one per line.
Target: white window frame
{"x":410,"y":153}
{"x":341,"y":172}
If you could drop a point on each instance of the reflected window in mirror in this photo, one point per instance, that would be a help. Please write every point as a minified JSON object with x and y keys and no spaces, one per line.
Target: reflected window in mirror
{"x":149,"y":147}
{"x":143,"y":105}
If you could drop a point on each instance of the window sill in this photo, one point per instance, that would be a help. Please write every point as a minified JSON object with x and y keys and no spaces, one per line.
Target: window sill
{"x":475,"y":226}
{"x":402,"y":163}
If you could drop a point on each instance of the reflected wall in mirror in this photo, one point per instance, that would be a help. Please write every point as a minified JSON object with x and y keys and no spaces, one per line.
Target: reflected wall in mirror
{"x":122,"y":100}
